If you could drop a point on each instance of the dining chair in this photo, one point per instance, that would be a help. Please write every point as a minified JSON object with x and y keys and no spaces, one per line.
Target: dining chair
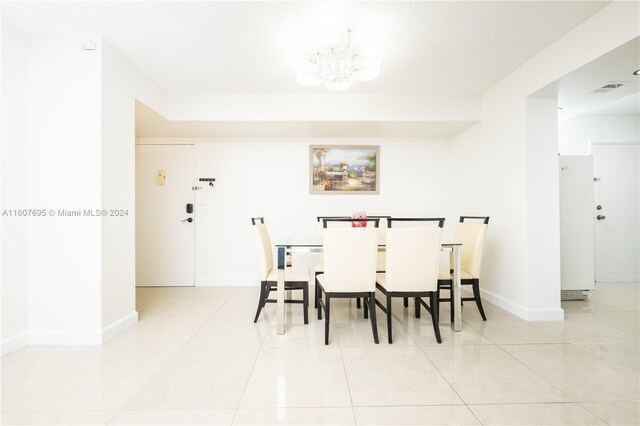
{"x":319,"y":268}
{"x":382,"y":233}
{"x":349,"y":269}
{"x":413,"y":260}
{"x":471,"y":235}
{"x":296,"y":278}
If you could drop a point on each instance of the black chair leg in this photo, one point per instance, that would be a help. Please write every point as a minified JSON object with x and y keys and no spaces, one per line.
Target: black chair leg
{"x":417,"y":307}
{"x":451,"y":302}
{"x":390,"y":338}
{"x":318,"y":296}
{"x":372,"y":309}
{"x":476,"y":295}
{"x":358,"y":304}
{"x":365,"y":311}
{"x":435,"y":302}
{"x":305,"y":303}
{"x":260,"y":303}
{"x":327,"y":312}
{"x":315,"y":299}
{"x":406,"y":302}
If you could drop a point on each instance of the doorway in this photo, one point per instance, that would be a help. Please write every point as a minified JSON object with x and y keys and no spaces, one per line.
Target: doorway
{"x":165,"y":216}
{"x":616,"y":190}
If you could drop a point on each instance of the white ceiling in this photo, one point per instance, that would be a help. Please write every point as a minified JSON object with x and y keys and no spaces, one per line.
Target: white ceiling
{"x":240,"y":47}
{"x":575,"y":91}
{"x":629,"y":105}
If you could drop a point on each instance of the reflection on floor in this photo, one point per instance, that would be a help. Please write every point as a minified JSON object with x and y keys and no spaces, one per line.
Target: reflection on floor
{"x":195,"y":357}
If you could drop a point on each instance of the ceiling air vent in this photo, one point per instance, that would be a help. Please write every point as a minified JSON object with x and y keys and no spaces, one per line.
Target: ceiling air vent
{"x":607,"y":87}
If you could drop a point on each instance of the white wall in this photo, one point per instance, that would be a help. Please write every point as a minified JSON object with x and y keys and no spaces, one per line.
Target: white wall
{"x":496,"y":150}
{"x":543,"y":209}
{"x":64,"y":173}
{"x":270,"y":178}
{"x":69,"y":119}
{"x":122,"y":83}
{"x":13,"y":259}
{"x":576,"y":133}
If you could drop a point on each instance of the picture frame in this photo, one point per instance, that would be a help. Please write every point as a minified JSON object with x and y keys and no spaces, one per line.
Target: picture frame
{"x":344,"y":169}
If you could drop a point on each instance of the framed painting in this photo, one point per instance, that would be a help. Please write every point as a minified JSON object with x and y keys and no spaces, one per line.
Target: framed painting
{"x":344,"y":169}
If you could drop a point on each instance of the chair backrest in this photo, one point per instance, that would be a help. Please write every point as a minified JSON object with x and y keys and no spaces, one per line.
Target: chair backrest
{"x":265,"y":253}
{"x":413,"y":258}
{"x":382,"y":225}
{"x":471,"y":235}
{"x":382,"y":228}
{"x":414,"y":220}
{"x":336,"y":224}
{"x":350,"y":259}
{"x":333,"y":222}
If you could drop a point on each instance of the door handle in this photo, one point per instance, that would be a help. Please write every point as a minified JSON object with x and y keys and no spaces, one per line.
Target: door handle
{"x":189,"y":219}
{"x":600,"y":217}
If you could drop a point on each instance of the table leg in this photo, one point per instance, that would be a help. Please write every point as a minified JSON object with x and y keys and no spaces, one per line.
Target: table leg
{"x":280,"y":291}
{"x":456,"y":291}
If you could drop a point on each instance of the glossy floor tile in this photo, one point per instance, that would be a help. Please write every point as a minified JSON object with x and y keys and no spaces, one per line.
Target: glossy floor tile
{"x":579,"y":373}
{"x":616,"y":413}
{"x":395,"y":376}
{"x":174,"y":417}
{"x":416,"y":415}
{"x":297,"y":377}
{"x":488,"y":375}
{"x":196,"y":357}
{"x":535,"y":414}
{"x":198,"y":378}
{"x":295,"y":416}
{"x":63,"y":418}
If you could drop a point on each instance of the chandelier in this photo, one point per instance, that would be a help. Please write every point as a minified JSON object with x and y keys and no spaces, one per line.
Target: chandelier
{"x":336,"y":58}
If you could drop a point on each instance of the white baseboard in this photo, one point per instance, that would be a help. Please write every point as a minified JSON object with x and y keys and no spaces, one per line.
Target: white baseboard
{"x":13,"y":343}
{"x":119,"y":325}
{"x":506,"y":304}
{"x":69,"y":337}
{"x":225,"y":282}
{"x":546,"y":315}
{"x":521,"y":311}
{"x":66,"y":337}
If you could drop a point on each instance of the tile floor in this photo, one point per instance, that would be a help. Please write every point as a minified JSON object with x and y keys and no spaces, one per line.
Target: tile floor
{"x":195,"y":357}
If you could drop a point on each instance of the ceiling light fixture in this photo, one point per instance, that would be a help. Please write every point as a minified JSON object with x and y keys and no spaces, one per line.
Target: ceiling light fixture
{"x":636,"y":72}
{"x":336,"y":58}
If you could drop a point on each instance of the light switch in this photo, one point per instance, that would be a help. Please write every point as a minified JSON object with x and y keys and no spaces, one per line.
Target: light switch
{"x":161,"y":177}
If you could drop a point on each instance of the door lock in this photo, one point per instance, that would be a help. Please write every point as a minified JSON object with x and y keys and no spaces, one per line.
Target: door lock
{"x":598,"y":207}
{"x":189,"y":219}
{"x":600,"y":217}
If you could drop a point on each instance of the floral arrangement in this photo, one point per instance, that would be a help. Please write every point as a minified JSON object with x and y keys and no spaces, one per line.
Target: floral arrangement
{"x":359,"y":215}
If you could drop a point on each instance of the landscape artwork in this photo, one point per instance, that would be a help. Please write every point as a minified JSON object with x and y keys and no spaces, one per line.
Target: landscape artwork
{"x":340,"y":169}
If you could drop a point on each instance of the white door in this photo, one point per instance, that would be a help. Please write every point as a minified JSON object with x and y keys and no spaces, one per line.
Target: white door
{"x":576,"y":222}
{"x":616,"y":189}
{"x":165,"y":231}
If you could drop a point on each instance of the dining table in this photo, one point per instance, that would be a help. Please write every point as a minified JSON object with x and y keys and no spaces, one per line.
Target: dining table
{"x":286,"y":250}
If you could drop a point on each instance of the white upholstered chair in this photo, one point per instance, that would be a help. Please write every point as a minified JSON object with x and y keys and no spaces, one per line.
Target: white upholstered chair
{"x":382,"y":235}
{"x":319,"y":268}
{"x":471,"y":235}
{"x":296,"y":278}
{"x":349,"y":270}
{"x":413,"y":260}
